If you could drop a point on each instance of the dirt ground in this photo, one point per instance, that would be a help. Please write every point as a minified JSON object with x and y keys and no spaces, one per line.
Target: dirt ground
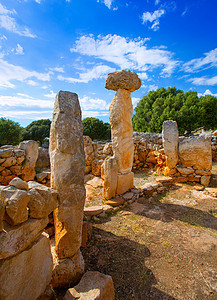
{"x":162,"y":247}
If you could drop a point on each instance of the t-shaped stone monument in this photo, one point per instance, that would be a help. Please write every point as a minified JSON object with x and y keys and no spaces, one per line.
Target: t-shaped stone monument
{"x":118,"y":175}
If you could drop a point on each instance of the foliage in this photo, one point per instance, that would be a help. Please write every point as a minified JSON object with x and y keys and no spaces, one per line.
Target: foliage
{"x":187,"y":109}
{"x":37,"y":130}
{"x":96,"y":129}
{"x":10,"y":132}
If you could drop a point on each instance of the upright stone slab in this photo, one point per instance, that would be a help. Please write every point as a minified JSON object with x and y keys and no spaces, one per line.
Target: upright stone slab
{"x":170,"y":136}
{"x":31,"y":150}
{"x":120,"y":115}
{"x":67,"y":172}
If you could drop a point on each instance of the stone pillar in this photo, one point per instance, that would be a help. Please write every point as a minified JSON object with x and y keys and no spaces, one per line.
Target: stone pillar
{"x":67,"y":172}
{"x":31,"y":150}
{"x":120,"y":115}
{"x":170,"y":136}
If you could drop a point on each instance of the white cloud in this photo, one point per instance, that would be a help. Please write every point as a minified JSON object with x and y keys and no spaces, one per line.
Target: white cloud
{"x":135,"y":101}
{"x":207,"y":92}
{"x":95,"y":73}
{"x":93,"y":113}
{"x":143,"y":75}
{"x":204,"y":80}
{"x":9,"y":23}
{"x":126,"y":53}
{"x":153,"y":18}
{"x":10,"y":72}
{"x":57,"y":69}
{"x":88,"y":103}
{"x":24,"y":101}
{"x":198,"y":64}
{"x":31,"y":82}
{"x":19,"y":50}
{"x":157,"y":2}
{"x":52,"y":95}
{"x":108,"y":3}
{"x":26,"y":114}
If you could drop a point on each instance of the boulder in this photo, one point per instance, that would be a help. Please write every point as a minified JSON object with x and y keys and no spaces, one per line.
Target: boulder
{"x":26,"y":275}
{"x":196,"y":152}
{"x":185,"y":171}
{"x":19,"y":184}
{"x":43,"y":200}
{"x":43,"y":160}
{"x":15,"y":201}
{"x":125,"y":80}
{"x":93,"y":210}
{"x":93,"y":286}
{"x":15,"y":239}
{"x":67,"y":172}
{"x":31,"y":151}
{"x":170,"y":136}
{"x":67,"y":271}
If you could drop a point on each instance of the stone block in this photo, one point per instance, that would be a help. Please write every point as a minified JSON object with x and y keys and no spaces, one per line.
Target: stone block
{"x":93,"y":286}
{"x":19,"y":184}
{"x":124,"y":183}
{"x":26,"y":275}
{"x":125,"y":80}
{"x":110,"y":177}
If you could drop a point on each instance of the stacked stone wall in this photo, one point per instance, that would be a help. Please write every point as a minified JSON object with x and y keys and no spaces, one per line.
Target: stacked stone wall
{"x":25,"y":253}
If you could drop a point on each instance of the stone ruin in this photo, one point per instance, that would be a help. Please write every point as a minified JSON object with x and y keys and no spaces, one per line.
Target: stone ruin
{"x":118,"y":175}
{"x":31,"y":264}
{"x":188,"y":159}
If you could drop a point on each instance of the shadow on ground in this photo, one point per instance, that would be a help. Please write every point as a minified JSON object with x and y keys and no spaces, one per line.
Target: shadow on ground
{"x":124,"y":260}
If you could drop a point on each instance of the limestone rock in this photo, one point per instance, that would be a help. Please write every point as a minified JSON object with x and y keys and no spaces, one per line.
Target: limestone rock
{"x":125,"y":182}
{"x":185,"y":171}
{"x":43,"y":160}
{"x":93,"y":286}
{"x":43,"y":200}
{"x":110,"y":177}
{"x":125,"y":80}
{"x":2,"y":213}
{"x":120,"y":115}
{"x":67,"y":172}
{"x":93,"y":210}
{"x":19,"y":184}
{"x":15,"y":201}
{"x":203,"y":172}
{"x":15,"y":239}
{"x":48,"y":294}
{"x":96,"y":167}
{"x":31,"y":150}
{"x":67,"y":271}
{"x":115,"y":201}
{"x":205,"y":180}
{"x":196,"y":152}
{"x":26,"y":275}
{"x":170,"y":136}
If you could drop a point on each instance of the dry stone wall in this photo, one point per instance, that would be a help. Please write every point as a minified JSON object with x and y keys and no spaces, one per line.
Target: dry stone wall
{"x":25,"y":255}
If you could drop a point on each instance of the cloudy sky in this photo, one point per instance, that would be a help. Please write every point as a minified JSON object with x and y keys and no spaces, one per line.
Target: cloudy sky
{"x":52,"y":45}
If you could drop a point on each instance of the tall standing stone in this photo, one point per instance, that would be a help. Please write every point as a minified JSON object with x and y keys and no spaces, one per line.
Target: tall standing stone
{"x":67,"y":172}
{"x":170,"y":136}
{"x":120,"y":115}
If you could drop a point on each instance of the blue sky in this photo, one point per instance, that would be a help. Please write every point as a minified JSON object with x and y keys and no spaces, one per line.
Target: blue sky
{"x":47,"y":46}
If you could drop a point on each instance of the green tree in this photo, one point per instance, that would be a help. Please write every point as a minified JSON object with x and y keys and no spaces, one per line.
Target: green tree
{"x":37,"y":130}
{"x":10,"y":132}
{"x":187,"y":109}
{"x":96,"y":129}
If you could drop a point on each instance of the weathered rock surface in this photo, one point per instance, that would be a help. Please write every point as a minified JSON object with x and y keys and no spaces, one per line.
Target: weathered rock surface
{"x":93,"y":286}
{"x":67,"y":172}
{"x":125,"y":182}
{"x":125,"y":80}
{"x":19,"y":184}
{"x":15,"y":201}
{"x":15,"y":239}
{"x":31,"y":150}
{"x":43,"y":160}
{"x":170,"y":136}
{"x":26,"y":275}
{"x":205,"y":180}
{"x":43,"y":200}
{"x":110,"y":177}
{"x":93,"y":210}
{"x":2,"y":213}
{"x":67,"y":271}
{"x":120,"y":115}
{"x":185,"y":171}
{"x":196,"y":152}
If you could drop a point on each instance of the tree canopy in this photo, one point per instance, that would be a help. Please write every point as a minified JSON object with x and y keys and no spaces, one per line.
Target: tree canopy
{"x":190,"y":111}
{"x":10,"y":132}
{"x":96,"y":129}
{"x":37,"y":130}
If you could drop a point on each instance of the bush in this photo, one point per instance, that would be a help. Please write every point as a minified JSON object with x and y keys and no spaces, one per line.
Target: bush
{"x":10,"y":132}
